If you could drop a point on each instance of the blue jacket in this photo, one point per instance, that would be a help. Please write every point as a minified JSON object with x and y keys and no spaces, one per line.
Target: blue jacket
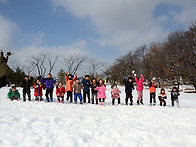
{"x":49,"y":82}
{"x":86,"y":85}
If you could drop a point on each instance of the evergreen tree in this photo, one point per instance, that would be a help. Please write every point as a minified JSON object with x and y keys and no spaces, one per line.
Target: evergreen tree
{"x":61,"y":75}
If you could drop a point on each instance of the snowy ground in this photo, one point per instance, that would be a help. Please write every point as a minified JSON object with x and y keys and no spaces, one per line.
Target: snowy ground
{"x":52,"y":124}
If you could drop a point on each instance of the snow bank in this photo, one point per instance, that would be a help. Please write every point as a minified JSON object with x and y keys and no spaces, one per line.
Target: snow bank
{"x":52,"y":124}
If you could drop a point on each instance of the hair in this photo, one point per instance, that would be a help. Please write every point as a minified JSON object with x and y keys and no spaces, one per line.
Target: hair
{"x":58,"y":84}
{"x":130,"y":78}
{"x":26,"y":76}
{"x":77,"y":79}
{"x":13,"y":87}
{"x":87,"y":76}
{"x":94,"y":79}
{"x":162,"y":90}
{"x":113,"y":85}
{"x":99,"y":81}
{"x":175,"y":88}
{"x":49,"y":74}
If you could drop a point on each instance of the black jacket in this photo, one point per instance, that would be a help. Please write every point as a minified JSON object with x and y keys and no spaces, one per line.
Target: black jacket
{"x":128,"y":86}
{"x":93,"y":86}
{"x":174,"y":95}
{"x":27,"y":84}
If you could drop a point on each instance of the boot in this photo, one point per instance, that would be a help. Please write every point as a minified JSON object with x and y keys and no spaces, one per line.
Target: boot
{"x":138,"y":102}
{"x":100,"y":103}
{"x":62,"y":101}
{"x":103,"y":103}
{"x":126,"y":101}
{"x":47,"y":100}
{"x":51,"y":100}
{"x":141,"y":101}
{"x":131,"y":103}
{"x":81,"y":102}
{"x":41,"y":99}
{"x":75,"y":102}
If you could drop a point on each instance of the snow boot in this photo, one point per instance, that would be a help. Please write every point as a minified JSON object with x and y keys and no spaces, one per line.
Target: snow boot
{"x":81,"y":102}
{"x":47,"y":100}
{"x":75,"y":102}
{"x":62,"y":101}
{"x":51,"y":100}
{"x":103,"y":103}
{"x":126,"y":101}
{"x":100,"y":103}
{"x":131,"y":103}
{"x":141,"y":101}
{"x":138,"y":102}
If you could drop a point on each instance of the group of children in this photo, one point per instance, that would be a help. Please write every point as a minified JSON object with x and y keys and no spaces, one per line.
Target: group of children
{"x":98,"y":90}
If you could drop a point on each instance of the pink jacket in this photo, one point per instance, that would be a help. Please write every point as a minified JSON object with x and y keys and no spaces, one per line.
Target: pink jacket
{"x":101,"y":91}
{"x":139,"y":83}
{"x":115,"y":92}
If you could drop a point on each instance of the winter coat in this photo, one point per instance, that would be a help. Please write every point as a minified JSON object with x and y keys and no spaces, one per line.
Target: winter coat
{"x":49,"y":82}
{"x":77,"y":87}
{"x":13,"y":94}
{"x":115,"y":92}
{"x":93,"y":86}
{"x":69,"y":83}
{"x":101,"y":91}
{"x":162,"y":96}
{"x":128,"y":86}
{"x":60,"y":91}
{"x":153,"y":87}
{"x":38,"y":89}
{"x":27,"y":84}
{"x":86,"y":84}
{"x":139,"y":83}
{"x":174,"y":95}
{"x":4,"y":68}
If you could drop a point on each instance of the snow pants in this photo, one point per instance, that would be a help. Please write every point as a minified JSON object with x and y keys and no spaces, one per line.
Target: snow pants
{"x":77,"y":95}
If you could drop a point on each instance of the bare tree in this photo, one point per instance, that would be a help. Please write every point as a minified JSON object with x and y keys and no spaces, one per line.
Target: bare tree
{"x":95,"y":65}
{"x":74,"y":62}
{"x":52,"y":61}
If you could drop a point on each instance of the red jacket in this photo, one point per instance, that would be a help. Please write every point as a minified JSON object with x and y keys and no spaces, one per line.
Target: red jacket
{"x":38,"y":89}
{"x":61,"y":90}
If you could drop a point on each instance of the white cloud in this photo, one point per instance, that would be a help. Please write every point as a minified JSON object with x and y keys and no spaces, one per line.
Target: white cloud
{"x":3,"y":1}
{"x":124,"y":24}
{"x":7,"y":30}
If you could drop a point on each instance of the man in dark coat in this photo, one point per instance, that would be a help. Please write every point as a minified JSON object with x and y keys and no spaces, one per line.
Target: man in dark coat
{"x":4,"y":68}
{"x":26,"y":84}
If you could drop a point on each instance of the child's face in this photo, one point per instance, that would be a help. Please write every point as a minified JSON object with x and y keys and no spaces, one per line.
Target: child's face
{"x":174,"y":89}
{"x":13,"y":89}
{"x":100,"y":82}
{"x":26,"y":78}
{"x":60,"y":84}
{"x":37,"y":81}
{"x":94,"y":81}
{"x":77,"y":81}
{"x":130,"y":80}
{"x":87,"y":78}
{"x":162,"y":91}
{"x":140,"y":78}
{"x":48,"y":76}
{"x":69,"y":77}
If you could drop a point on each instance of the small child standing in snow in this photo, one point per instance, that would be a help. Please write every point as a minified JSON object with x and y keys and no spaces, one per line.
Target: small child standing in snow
{"x":86,"y":90}
{"x":128,"y":89}
{"x":115,"y":93}
{"x":101,"y":88}
{"x":139,"y":81}
{"x":13,"y":94}
{"x":162,"y":97}
{"x":94,"y":84}
{"x":77,"y":90}
{"x":174,"y":96}
{"x":60,"y":92}
{"x":26,"y":84}
{"x":69,"y":82}
{"x":153,"y":87}
{"x":38,"y":86}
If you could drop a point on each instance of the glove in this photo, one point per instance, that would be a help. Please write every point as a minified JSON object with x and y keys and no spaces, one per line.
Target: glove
{"x":135,"y":75}
{"x":133,"y":71}
{"x":36,"y":86}
{"x":125,"y":78}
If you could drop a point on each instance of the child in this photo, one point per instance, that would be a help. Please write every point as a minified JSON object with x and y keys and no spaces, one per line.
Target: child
{"x":60,"y":92}
{"x":13,"y":94}
{"x":26,"y":84}
{"x":69,"y":82}
{"x":162,"y":97}
{"x":94,"y":84}
{"x":115,"y":92}
{"x":153,"y":87}
{"x":86,"y":90}
{"x":101,"y":88}
{"x":49,"y":84}
{"x":174,"y":96}
{"x":77,"y":90}
{"x":140,"y":88}
{"x":128,"y":90}
{"x":38,"y":86}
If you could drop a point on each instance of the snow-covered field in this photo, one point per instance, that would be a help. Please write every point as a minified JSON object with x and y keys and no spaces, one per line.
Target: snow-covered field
{"x":52,"y":124}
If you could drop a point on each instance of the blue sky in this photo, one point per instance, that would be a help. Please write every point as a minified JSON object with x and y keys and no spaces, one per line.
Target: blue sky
{"x":103,"y":30}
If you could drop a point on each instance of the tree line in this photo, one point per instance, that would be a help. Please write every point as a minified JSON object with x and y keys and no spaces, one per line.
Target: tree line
{"x":172,"y":60}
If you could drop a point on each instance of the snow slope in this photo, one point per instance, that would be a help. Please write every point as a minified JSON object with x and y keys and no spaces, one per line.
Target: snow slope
{"x":52,"y":124}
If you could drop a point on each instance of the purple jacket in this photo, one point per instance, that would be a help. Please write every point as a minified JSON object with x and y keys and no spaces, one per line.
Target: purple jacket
{"x":139,"y":83}
{"x":49,"y":82}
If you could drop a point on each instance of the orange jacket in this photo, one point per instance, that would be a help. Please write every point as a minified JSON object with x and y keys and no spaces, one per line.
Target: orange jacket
{"x":153,"y":87}
{"x":69,"y":83}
